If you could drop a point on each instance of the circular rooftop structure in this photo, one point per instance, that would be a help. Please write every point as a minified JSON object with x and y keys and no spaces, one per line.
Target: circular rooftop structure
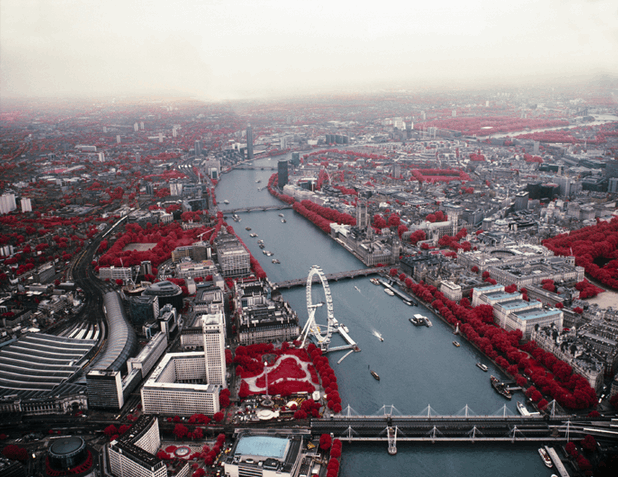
{"x":164,"y":288}
{"x":167,"y":292}
{"x":67,"y":453}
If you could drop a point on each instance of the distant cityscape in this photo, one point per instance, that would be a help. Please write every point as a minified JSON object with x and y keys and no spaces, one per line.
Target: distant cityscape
{"x":140,"y":336}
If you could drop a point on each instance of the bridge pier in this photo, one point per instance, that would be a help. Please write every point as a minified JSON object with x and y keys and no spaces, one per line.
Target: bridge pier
{"x":391,"y":433}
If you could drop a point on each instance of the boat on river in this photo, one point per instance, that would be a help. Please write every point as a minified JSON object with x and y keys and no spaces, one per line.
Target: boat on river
{"x":375,"y":281}
{"x":421,"y":320}
{"x":276,"y":261}
{"x":545,"y":456}
{"x":389,"y":292}
{"x":283,"y":221}
{"x":247,"y":228}
{"x":523,"y":410}
{"x":500,"y":387}
{"x":226,"y":202}
{"x":456,"y":344}
{"x":253,"y":234}
{"x":482,"y":366}
{"x":281,"y":215}
{"x":375,"y":375}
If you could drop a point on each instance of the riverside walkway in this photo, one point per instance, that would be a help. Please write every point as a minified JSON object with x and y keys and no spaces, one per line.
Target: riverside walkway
{"x":363,"y":272}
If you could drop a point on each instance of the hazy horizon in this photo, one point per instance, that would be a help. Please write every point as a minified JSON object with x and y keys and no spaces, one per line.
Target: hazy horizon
{"x":221,"y":50}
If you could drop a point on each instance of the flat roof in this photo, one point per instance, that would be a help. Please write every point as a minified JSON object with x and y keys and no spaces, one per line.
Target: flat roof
{"x":518,"y":303}
{"x":538,"y":313}
{"x":499,"y":295}
{"x":263,"y":446}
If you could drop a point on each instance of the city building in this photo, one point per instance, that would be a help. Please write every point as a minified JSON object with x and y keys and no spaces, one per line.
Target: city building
{"x":143,"y":308}
{"x":233,"y":258}
{"x":249,"y":142}
{"x":282,"y":174}
{"x":513,"y":313}
{"x":522,"y":265}
{"x":178,"y":386}
{"x":261,"y":316}
{"x":115,"y":273}
{"x":69,"y":455}
{"x":7,"y":203}
{"x":190,"y":269}
{"x":451,"y":290}
{"x":265,"y":454}
{"x":213,"y":331}
{"x":167,"y":293}
{"x":149,"y":355}
{"x":133,"y":453}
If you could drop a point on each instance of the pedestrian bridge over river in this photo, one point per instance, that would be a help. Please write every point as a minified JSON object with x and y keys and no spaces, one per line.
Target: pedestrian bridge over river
{"x":390,"y":427}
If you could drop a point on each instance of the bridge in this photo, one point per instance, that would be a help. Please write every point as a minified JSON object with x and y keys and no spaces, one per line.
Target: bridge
{"x":254,"y":168}
{"x":465,"y":426}
{"x":363,"y":272}
{"x":261,"y":208}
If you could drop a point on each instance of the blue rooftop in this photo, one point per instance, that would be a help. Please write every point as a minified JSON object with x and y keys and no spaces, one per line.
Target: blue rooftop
{"x":538,"y":313}
{"x":514,"y":304}
{"x":263,"y":446}
{"x":500,"y":295}
{"x":489,"y":289}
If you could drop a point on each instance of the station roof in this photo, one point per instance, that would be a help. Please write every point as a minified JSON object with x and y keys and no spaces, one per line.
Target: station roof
{"x":39,"y":363}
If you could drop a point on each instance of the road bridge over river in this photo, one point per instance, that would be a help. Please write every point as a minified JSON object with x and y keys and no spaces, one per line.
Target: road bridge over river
{"x":363,"y":272}
{"x":261,"y":208}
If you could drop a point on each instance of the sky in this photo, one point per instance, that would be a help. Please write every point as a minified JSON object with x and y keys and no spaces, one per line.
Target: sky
{"x":237,"y":49}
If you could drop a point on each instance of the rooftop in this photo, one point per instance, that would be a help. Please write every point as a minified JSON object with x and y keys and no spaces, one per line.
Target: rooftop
{"x":262,"y":446}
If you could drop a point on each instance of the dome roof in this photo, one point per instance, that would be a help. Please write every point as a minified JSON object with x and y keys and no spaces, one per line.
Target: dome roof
{"x":164,"y":288}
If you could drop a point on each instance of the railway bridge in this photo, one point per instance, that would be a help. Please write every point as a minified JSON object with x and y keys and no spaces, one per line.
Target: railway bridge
{"x":463,"y":427}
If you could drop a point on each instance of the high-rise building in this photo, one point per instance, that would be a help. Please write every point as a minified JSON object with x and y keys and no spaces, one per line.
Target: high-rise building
{"x":26,"y":205}
{"x":296,"y":159}
{"x":282,"y":172}
{"x":7,"y":203}
{"x":521,"y":201}
{"x":213,"y":330}
{"x":611,"y":168}
{"x":198,"y":148}
{"x":249,"y":143}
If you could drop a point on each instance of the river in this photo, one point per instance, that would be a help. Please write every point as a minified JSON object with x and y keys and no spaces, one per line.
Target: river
{"x":418,"y":366}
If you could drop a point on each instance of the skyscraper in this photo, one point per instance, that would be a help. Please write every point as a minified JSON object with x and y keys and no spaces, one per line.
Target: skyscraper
{"x":198,"y":148}
{"x":213,"y":330}
{"x":282,"y":173}
{"x":249,"y":143}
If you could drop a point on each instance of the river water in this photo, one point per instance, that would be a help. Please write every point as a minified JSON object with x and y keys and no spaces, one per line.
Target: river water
{"x":419,"y":367}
